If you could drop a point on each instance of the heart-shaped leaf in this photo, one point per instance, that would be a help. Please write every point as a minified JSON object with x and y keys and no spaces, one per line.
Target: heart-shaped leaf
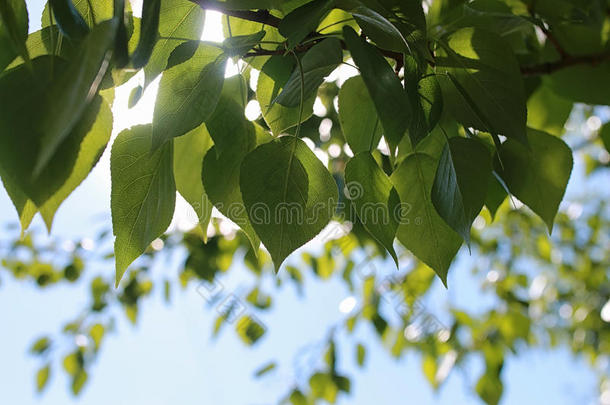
{"x":421,"y":229}
{"x":221,"y":166}
{"x":143,"y":193}
{"x":289,"y":195}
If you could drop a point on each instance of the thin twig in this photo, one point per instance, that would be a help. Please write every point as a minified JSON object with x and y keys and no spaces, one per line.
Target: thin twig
{"x":264,"y":17}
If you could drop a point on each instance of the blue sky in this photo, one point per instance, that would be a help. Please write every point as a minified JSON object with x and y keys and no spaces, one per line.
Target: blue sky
{"x":170,"y":356}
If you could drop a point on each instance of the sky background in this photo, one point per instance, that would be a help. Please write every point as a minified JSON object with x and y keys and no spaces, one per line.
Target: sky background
{"x":169,"y":355}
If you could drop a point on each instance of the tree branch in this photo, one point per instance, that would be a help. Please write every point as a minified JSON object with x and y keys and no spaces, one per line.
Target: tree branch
{"x":265,"y":17}
{"x":567,"y":61}
{"x":260,"y":16}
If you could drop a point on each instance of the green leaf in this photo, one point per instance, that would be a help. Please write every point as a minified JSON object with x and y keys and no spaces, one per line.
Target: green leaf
{"x":583,"y":84}
{"x":485,"y":89}
{"x":236,"y":27}
{"x":546,"y":111}
{"x":249,"y":329}
{"x":489,"y":387}
{"x":24,"y":206}
{"x":239,"y":45}
{"x":422,"y":230}
{"x":496,"y":194}
{"x":380,"y":29}
{"x":121,"y":42}
{"x":267,"y":368}
{"x":143,"y":193}
{"x":387,"y":93}
{"x":392,"y":24}
{"x":134,"y":96}
{"x":78,"y":381}
{"x":189,"y":151}
{"x":317,"y":63}
{"x":537,"y":176}
{"x":358,"y":117}
{"x":221,"y":166}
{"x":302,"y":21}
{"x":228,"y":124}
{"x":40,"y":43}
{"x":40,"y":346}
{"x":42,"y":377}
{"x":13,"y":31}
{"x":375,"y":199}
{"x":297,"y":398}
{"x":68,"y":96}
{"x":178,"y":19}
{"x":322,"y":386}
{"x":360,"y":354}
{"x":188,"y":93}
{"x":149,"y":33}
{"x":236,"y":88}
{"x":289,"y":195}
{"x":460,"y":184}
{"x":274,"y":75}
{"x":90,"y":151}
{"x":21,"y":136}
{"x":68,"y":19}
{"x":93,"y":12}
{"x":426,"y":99}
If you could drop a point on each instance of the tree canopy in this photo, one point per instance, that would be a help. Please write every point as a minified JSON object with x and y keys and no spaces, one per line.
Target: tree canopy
{"x":455,"y":108}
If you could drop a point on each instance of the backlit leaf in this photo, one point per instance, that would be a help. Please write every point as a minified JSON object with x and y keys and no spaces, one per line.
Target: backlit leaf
{"x":460,"y":184}
{"x":188,"y":93}
{"x":537,"y":176}
{"x":374,"y":198}
{"x":179,"y":19}
{"x":149,"y":32}
{"x":21,"y":135}
{"x":90,"y":151}
{"x":68,"y":95}
{"x":189,"y":151}
{"x":221,"y":166}
{"x":304,"y":20}
{"x":13,"y":31}
{"x":42,"y":377}
{"x":422,"y":230}
{"x":485,"y":90}
{"x":143,"y":193}
{"x":275,"y":74}
{"x":358,"y":117}
{"x":289,"y":195}
{"x":317,"y":63}
{"x":385,"y":88}
{"x":547,"y":111}
{"x":68,"y":19}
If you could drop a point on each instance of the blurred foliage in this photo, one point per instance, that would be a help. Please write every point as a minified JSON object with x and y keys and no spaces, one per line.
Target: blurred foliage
{"x":547,"y":292}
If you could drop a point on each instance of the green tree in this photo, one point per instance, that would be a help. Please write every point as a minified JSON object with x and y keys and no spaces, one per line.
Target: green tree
{"x":456,"y":116}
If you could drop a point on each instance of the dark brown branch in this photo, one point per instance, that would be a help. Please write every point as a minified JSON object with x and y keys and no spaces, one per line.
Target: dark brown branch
{"x":260,"y":16}
{"x":567,"y":61}
{"x":264,"y":17}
